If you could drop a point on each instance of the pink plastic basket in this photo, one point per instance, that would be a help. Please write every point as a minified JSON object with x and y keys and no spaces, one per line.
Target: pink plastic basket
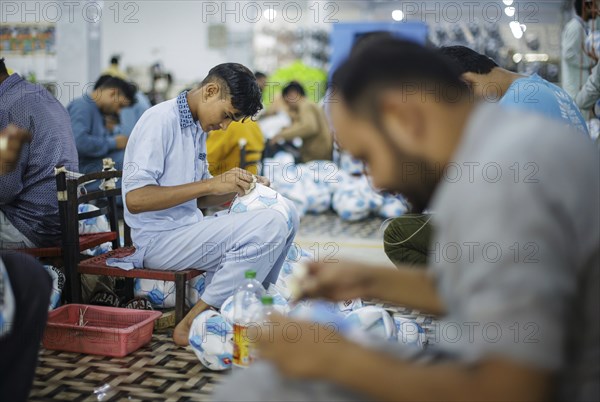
{"x":95,"y":330}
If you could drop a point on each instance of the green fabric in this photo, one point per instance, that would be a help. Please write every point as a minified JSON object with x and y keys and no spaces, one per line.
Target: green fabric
{"x":407,"y":239}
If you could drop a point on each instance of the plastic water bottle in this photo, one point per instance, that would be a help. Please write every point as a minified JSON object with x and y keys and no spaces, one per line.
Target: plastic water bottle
{"x":245,"y":304}
{"x":259,"y":319}
{"x":265,"y":314}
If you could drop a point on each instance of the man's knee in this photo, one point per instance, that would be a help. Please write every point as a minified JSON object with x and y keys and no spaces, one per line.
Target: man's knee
{"x":396,"y":241}
{"x":393,"y":234}
{"x":405,"y":228}
{"x":27,"y":273}
{"x":31,"y":285}
{"x":277,"y":226}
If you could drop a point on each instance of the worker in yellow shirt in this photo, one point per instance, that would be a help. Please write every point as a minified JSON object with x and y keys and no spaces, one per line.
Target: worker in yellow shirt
{"x":114,"y":70}
{"x":223,"y":147}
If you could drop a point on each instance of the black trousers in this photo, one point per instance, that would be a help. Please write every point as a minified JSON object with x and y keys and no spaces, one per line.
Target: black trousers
{"x":19,"y":349}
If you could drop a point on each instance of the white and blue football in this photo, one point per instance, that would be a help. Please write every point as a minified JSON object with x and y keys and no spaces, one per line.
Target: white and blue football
{"x":373,"y":322}
{"x":58,"y":283}
{"x":211,"y":339}
{"x":287,"y":276}
{"x":392,"y":207}
{"x":318,"y":198}
{"x":195,"y":289}
{"x":319,"y":311}
{"x":294,"y":253}
{"x":409,"y":332}
{"x":337,"y":181}
{"x":98,"y":224}
{"x":351,"y":165}
{"x":227,"y":309}
{"x":161,"y":294}
{"x":350,"y":205}
{"x":356,"y":200}
{"x":347,"y":306}
{"x":263,"y":197}
{"x":280,"y":303}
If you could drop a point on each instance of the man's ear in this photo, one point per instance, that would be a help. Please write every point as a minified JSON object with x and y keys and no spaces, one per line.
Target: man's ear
{"x":469,"y":78}
{"x":211,"y":90}
{"x":402,"y":120}
{"x":113,"y":94}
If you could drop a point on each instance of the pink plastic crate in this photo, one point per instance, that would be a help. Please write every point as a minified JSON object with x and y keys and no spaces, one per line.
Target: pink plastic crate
{"x":95,"y":330}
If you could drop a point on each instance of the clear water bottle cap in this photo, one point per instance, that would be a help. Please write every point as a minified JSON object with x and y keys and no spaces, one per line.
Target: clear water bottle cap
{"x":250,"y":274}
{"x":267,"y":300}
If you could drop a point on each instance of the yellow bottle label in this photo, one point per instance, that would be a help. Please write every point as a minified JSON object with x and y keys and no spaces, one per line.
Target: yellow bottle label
{"x":241,"y":346}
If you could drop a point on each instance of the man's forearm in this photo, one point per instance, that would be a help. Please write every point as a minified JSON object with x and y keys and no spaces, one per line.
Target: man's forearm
{"x":407,"y":287}
{"x":301,"y":129}
{"x":10,"y":190}
{"x":158,"y":198}
{"x":381,"y":377}
{"x":214,"y":200}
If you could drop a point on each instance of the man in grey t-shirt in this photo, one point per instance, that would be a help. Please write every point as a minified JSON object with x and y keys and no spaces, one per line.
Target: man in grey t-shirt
{"x":514,"y":275}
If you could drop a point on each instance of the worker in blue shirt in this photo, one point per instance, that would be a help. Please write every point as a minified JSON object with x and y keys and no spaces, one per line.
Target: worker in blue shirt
{"x":125,"y":121}
{"x":28,"y":205}
{"x":93,"y":139}
{"x":166,"y":181}
{"x":493,"y":83}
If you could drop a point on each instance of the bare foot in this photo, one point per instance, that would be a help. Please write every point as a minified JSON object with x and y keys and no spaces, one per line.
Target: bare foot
{"x":181,"y":333}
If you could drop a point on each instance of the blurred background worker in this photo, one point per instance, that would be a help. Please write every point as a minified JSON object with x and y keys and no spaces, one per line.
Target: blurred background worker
{"x":114,"y":70}
{"x":576,"y":63}
{"x":224,"y":151}
{"x":94,"y":139}
{"x":308,"y":123}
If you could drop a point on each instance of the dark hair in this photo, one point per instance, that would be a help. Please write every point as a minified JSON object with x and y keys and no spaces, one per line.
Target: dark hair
{"x":114,"y":60}
{"x":391,"y":62}
{"x":293,"y":86}
{"x":362,"y":41}
{"x":3,"y":70}
{"x":468,"y":60}
{"x":259,"y":75}
{"x":578,"y":4}
{"x":240,"y":84}
{"x":127,"y":89}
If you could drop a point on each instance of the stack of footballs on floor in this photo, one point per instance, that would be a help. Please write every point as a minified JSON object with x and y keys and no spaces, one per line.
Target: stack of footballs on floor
{"x":319,"y":186}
